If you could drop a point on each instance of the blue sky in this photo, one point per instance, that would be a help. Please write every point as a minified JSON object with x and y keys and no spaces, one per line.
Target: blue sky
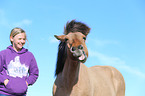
{"x":117,"y":36}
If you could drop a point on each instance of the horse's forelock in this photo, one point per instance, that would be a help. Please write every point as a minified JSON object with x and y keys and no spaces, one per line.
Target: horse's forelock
{"x":75,"y":26}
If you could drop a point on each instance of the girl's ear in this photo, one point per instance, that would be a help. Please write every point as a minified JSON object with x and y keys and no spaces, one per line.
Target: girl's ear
{"x":11,"y":38}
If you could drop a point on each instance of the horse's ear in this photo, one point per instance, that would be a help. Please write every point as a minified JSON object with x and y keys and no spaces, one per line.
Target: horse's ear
{"x":61,"y":37}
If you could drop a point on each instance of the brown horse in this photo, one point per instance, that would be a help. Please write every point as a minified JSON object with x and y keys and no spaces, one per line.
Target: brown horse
{"x":76,"y":79}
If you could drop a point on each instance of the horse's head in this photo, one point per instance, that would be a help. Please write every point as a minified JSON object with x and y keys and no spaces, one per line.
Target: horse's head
{"x":76,"y":45}
{"x":72,"y":44}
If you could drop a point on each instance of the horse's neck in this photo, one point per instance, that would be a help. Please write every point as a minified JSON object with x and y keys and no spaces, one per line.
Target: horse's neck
{"x":70,"y":72}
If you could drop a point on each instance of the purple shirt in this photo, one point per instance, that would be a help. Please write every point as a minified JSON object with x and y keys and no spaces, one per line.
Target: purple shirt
{"x":18,"y":67}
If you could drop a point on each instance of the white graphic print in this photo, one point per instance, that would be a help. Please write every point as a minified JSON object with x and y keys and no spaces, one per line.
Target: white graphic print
{"x":16,"y":69}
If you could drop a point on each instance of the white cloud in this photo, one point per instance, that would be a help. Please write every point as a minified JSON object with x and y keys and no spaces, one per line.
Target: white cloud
{"x":133,"y":71}
{"x":107,"y":60}
{"x":50,"y":39}
{"x":116,"y":62}
{"x":23,"y":22}
{"x":4,"y":21}
{"x":97,"y":42}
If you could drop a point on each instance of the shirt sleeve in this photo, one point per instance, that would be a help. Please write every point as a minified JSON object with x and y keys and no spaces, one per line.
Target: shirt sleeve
{"x":33,"y":72}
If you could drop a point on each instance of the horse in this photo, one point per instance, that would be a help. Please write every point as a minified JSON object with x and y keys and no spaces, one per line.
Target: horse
{"x":73,"y":77}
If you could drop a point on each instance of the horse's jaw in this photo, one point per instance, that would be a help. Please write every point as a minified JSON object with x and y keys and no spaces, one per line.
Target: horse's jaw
{"x":83,"y":57}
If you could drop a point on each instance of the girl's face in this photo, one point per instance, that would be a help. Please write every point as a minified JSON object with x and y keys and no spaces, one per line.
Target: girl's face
{"x":18,"y":41}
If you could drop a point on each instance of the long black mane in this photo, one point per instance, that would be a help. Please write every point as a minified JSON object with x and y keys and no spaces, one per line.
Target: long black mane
{"x":61,"y":57}
{"x":72,"y":26}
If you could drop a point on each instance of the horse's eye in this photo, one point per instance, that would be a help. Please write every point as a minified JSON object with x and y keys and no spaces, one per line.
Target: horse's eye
{"x":66,"y":39}
{"x":84,"y":38}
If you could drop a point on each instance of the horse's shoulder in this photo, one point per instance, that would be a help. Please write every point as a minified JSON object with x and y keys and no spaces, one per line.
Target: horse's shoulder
{"x":104,"y":70}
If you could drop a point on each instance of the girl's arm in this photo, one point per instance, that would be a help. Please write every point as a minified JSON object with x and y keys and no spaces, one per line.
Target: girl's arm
{"x":3,"y":75}
{"x":33,"y":72}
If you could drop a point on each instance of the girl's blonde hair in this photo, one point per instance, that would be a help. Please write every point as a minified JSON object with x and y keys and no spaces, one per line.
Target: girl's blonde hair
{"x":16,"y":31}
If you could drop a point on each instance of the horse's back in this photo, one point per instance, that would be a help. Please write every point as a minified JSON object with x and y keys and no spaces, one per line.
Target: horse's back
{"x":109,"y":78}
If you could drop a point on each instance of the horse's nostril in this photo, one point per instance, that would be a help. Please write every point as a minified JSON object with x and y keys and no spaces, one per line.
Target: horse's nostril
{"x":73,"y":49}
{"x":80,"y":47}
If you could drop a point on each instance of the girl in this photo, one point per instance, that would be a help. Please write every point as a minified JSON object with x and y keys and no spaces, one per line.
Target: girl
{"x":18,"y":67}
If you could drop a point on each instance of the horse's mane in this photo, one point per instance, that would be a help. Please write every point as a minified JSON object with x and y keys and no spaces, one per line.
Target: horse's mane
{"x":61,"y":57}
{"x":72,"y":26}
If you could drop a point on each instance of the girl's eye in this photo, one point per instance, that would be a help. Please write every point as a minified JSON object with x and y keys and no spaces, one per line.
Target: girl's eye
{"x":21,"y":39}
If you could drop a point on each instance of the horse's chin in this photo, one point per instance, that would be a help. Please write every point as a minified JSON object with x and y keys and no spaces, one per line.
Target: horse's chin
{"x":83,"y":61}
{"x":83,"y":58}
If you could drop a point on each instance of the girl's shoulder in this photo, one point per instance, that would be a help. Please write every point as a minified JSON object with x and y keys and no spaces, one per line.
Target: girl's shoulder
{"x":4,"y":51}
{"x":29,"y":53}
